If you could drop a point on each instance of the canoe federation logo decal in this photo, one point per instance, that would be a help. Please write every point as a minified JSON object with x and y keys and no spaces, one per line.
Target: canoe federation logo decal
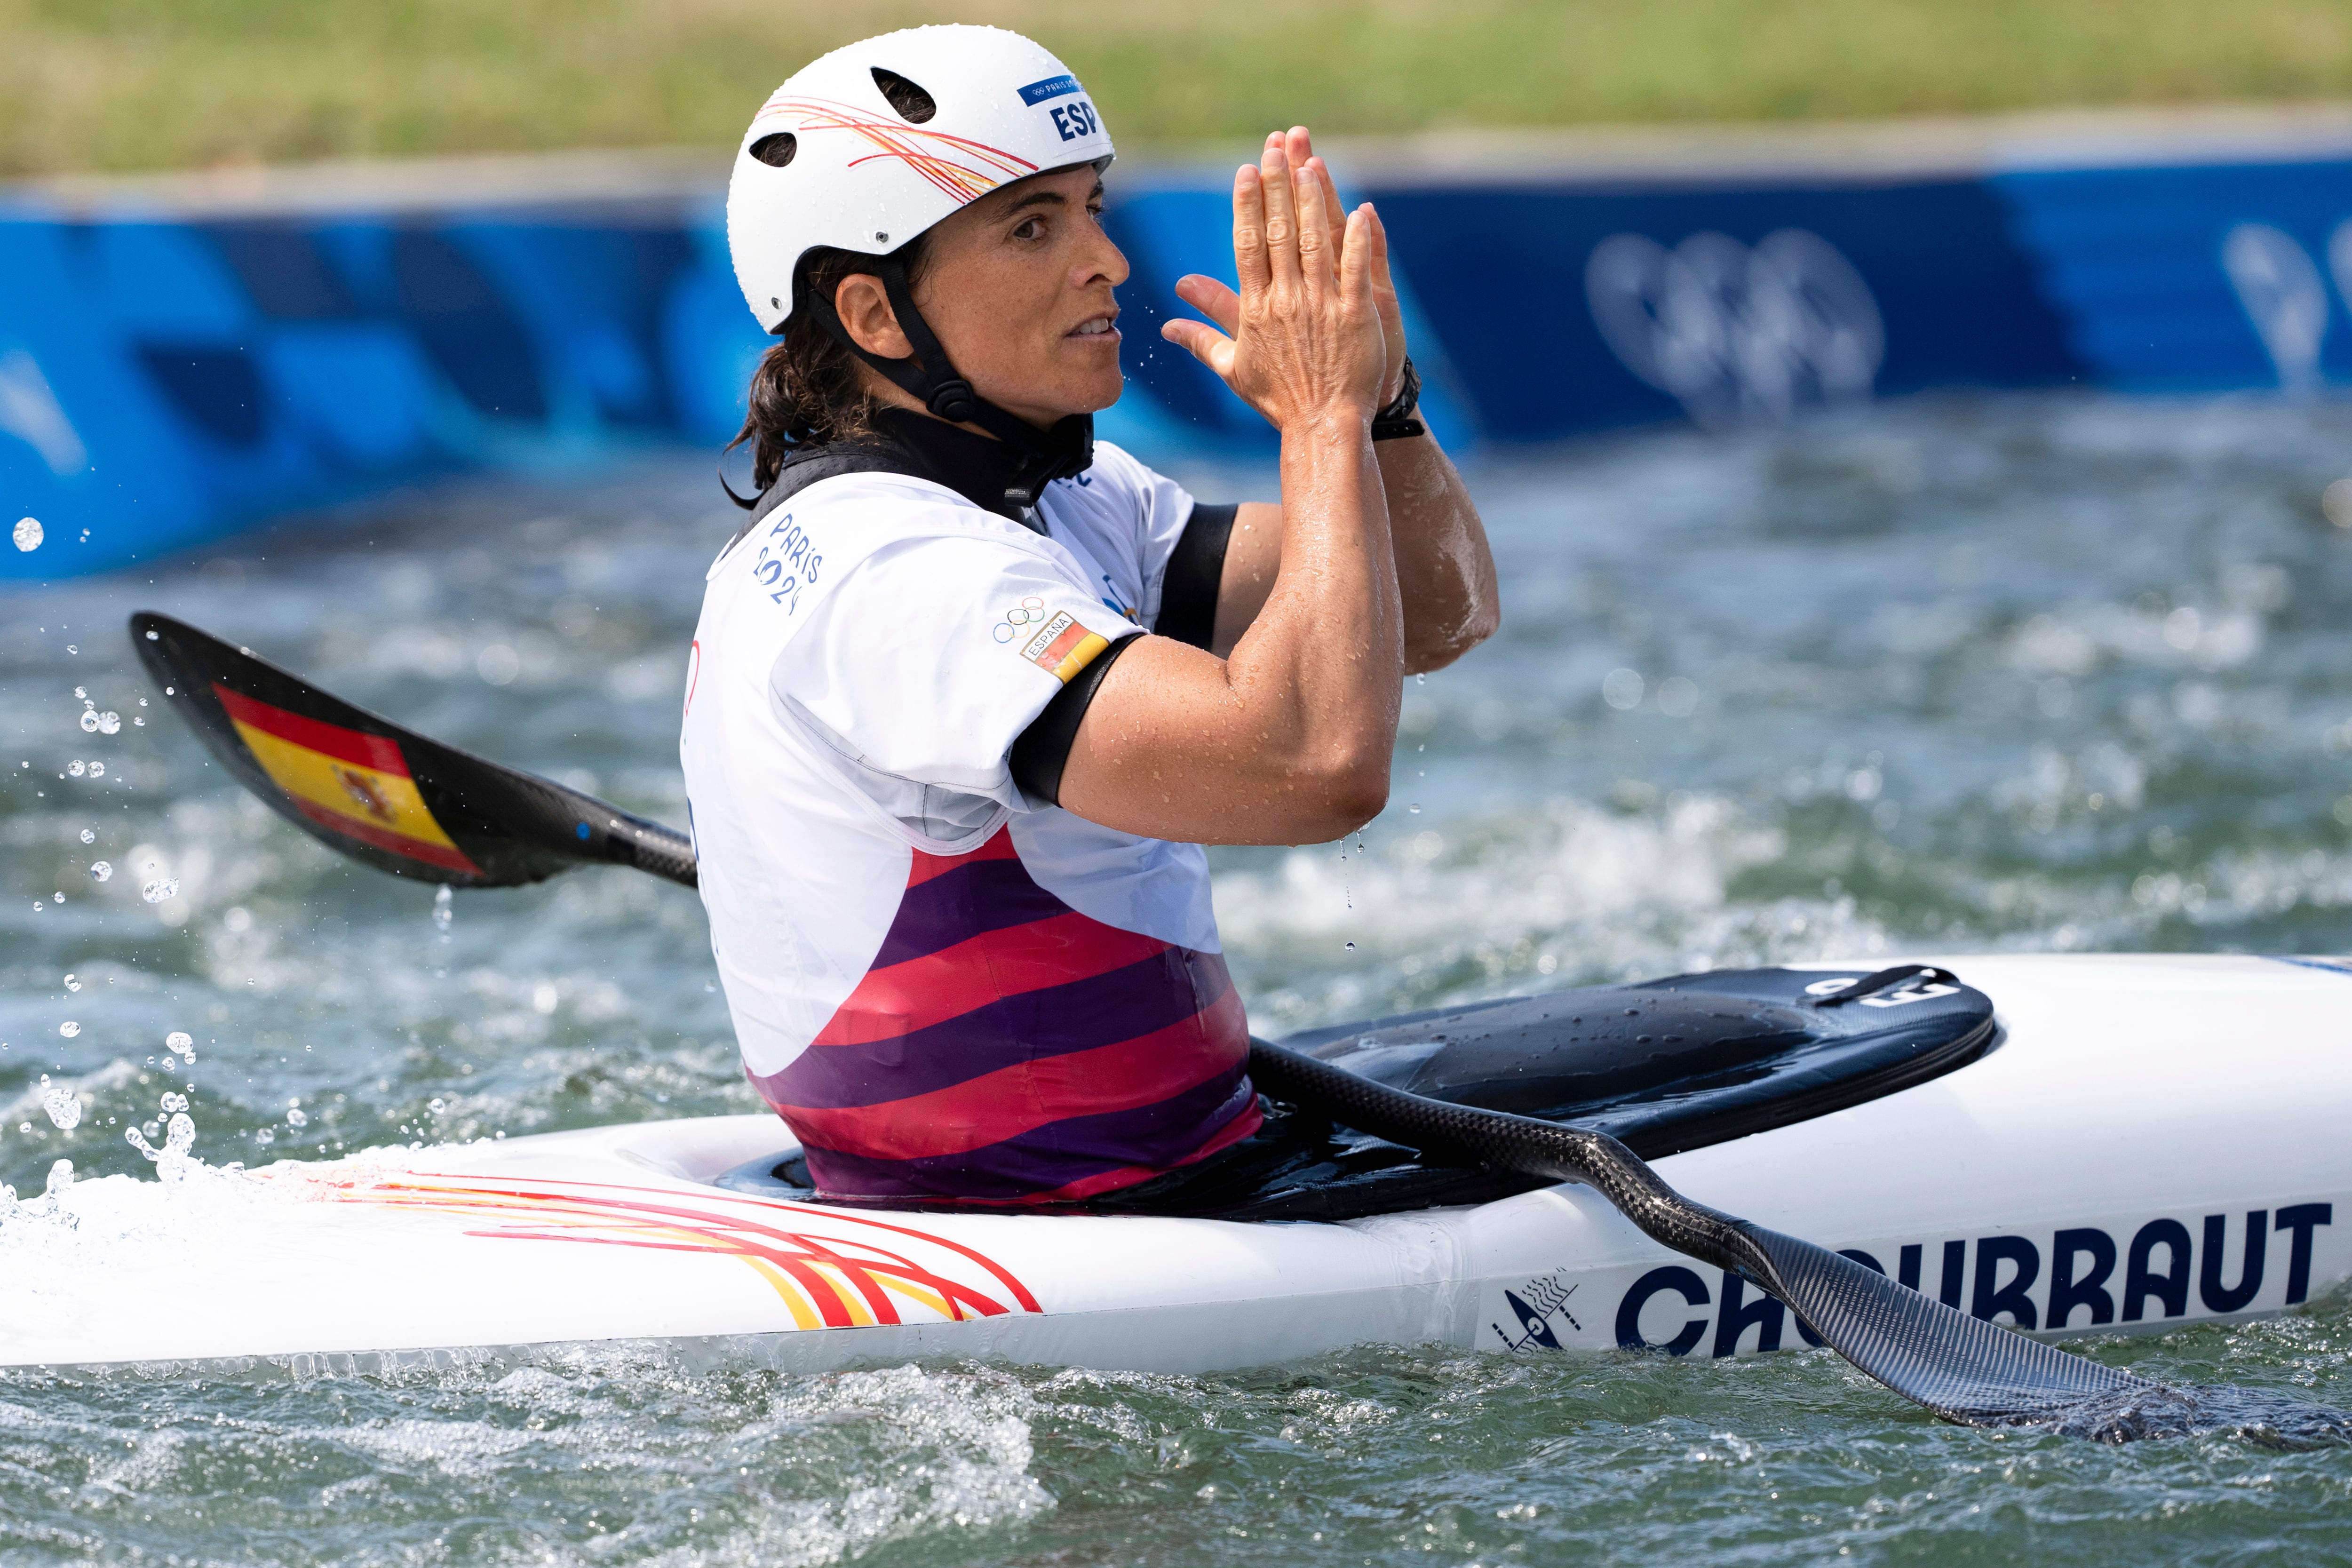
{"x":830,"y":1270}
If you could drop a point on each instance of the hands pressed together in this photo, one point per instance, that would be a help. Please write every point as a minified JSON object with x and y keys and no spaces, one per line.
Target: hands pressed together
{"x":1315,"y":336}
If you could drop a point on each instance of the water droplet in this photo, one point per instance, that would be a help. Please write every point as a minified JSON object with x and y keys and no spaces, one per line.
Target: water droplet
{"x":436,"y":1106}
{"x":178,"y":1040}
{"x":27,"y":534}
{"x":298,"y":1118}
{"x":82,"y":692}
{"x":73,"y":983}
{"x":443,"y":908}
{"x":64,"y":1108}
{"x":77,"y":767}
{"x":97,"y":770}
{"x":70,"y":648}
{"x":110,"y":722}
{"x":89,"y":835}
{"x":1421,"y":681}
{"x":1414,"y":808}
{"x":69,"y":1028}
{"x":138,"y":1140}
{"x":173,"y":1101}
{"x":61,"y":1179}
{"x":1351,"y":947}
{"x":99,"y":870}
{"x":151,"y":637}
{"x":157,"y":891}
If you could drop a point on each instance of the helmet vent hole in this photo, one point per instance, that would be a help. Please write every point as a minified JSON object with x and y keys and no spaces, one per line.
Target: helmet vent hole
{"x":914,"y":105}
{"x":776,"y":151}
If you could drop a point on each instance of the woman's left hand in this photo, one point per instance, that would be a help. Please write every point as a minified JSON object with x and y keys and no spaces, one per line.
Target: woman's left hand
{"x":1222,"y":306}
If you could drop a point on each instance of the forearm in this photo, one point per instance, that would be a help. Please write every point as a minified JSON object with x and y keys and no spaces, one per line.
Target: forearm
{"x":1445,"y":571}
{"x":1318,"y":669}
{"x":1289,"y":739}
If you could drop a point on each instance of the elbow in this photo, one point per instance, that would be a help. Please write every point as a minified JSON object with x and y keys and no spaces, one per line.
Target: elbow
{"x":1347,"y":791}
{"x":1440,"y":647}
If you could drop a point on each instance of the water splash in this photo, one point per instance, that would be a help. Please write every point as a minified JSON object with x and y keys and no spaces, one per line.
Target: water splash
{"x":26,"y":533}
{"x":63,"y":1106}
{"x":165,"y":887}
{"x":444,"y":909}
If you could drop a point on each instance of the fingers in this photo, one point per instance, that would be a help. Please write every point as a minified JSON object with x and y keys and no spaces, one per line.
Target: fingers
{"x":1203,"y":342}
{"x":1212,"y":299}
{"x":1378,"y":233}
{"x":1251,"y":263}
{"x":1317,"y":223}
{"x":1355,"y":259}
{"x":1281,"y":194}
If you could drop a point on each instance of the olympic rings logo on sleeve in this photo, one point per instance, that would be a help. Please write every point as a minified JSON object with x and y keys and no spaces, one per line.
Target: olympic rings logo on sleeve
{"x":1028,"y":613}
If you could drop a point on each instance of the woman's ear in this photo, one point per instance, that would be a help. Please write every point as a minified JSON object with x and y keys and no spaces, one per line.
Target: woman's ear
{"x":864,"y":310}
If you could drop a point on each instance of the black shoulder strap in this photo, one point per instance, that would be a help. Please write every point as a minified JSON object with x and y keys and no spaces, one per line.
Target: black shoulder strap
{"x":822,"y":463}
{"x":1188,"y":589}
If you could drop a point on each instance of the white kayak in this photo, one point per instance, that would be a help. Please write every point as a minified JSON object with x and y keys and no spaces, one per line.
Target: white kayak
{"x":2152,"y":1141}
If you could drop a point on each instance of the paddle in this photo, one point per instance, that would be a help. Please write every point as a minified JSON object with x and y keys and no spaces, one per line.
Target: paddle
{"x":409,"y":805}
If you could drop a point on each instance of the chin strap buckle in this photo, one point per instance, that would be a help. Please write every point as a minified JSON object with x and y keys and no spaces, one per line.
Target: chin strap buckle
{"x":953,"y":400}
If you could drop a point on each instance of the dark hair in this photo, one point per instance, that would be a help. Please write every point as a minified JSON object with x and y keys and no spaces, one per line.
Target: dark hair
{"x":808,"y":389}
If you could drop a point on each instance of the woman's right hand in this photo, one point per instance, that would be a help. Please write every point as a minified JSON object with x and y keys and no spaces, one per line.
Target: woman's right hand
{"x":1306,"y":346}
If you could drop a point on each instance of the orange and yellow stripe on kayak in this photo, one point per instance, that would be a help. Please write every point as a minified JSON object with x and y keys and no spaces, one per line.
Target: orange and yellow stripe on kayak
{"x":346,"y":781}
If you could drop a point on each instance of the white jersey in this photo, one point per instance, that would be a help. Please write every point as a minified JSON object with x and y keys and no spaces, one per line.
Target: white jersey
{"x":949,"y":990}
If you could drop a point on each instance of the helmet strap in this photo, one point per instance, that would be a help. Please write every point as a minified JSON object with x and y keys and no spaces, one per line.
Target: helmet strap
{"x":1066,"y":449}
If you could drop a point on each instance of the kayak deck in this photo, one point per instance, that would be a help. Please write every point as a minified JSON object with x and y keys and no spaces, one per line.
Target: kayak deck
{"x":2154,"y":1141}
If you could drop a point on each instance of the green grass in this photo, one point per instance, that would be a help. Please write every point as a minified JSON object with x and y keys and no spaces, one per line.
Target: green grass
{"x":142,"y":84}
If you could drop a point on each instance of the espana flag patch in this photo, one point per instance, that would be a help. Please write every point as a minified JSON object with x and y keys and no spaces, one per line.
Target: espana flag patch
{"x":346,"y":781}
{"x":1063,"y":647}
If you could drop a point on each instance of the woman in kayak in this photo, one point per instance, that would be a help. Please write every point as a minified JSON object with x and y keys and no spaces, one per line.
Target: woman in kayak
{"x":969,"y":691}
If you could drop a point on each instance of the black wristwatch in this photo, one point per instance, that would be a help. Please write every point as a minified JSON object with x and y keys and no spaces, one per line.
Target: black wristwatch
{"x":1396,"y":422}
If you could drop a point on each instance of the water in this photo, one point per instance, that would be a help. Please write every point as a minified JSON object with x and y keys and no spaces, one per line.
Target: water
{"x":2017,"y":673}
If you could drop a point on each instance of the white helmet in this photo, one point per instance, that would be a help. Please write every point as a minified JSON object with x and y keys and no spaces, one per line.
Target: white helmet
{"x":866,"y":148}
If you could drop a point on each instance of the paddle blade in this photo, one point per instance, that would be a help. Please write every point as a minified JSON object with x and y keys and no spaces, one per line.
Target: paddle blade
{"x":1968,"y":1371}
{"x":369,"y":789}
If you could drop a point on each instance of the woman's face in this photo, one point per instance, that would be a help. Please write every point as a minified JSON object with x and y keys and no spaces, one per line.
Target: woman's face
{"x":1018,"y":288}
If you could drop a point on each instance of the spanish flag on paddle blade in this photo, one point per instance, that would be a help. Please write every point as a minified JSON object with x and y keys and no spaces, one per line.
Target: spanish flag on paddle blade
{"x":345,"y":781}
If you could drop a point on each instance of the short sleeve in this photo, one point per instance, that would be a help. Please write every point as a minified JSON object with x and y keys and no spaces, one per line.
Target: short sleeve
{"x":1161,"y":508}
{"x":931,"y":655}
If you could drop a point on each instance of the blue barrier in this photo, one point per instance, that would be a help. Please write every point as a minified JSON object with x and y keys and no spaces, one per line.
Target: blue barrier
{"x":166,"y":379}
